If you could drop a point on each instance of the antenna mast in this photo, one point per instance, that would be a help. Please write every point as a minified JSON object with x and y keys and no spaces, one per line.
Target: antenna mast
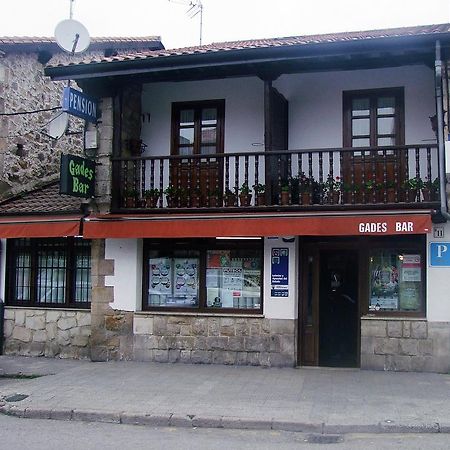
{"x":71,"y":9}
{"x":195,"y":8}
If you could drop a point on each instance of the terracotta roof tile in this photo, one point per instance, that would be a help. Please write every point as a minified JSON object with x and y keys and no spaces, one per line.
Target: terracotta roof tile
{"x":15,"y":40}
{"x":275,"y":42}
{"x":40,"y":201}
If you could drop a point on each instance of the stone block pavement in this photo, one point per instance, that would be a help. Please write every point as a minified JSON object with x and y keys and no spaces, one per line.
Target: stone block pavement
{"x":162,"y":394}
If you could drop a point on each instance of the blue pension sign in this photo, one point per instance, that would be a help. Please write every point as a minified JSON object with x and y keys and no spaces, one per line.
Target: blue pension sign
{"x":279,"y":278}
{"x":440,"y":254}
{"x":79,"y":104}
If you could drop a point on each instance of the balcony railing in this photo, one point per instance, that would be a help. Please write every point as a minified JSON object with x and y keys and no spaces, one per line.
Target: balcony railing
{"x":384,"y":177}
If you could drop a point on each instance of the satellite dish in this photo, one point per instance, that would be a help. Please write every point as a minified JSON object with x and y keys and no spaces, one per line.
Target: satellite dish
{"x":72,"y":36}
{"x":57,"y":125}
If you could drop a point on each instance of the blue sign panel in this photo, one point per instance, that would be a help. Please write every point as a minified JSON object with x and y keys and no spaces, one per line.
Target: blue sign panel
{"x":78,"y":104}
{"x":440,"y":254}
{"x":279,"y":272}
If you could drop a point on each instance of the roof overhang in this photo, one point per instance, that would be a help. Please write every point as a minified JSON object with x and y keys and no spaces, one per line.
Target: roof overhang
{"x":40,"y":226}
{"x":266,"y":62}
{"x":245,"y":225}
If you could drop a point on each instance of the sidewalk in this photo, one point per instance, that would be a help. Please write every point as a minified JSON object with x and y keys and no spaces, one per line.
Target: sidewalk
{"x":310,"y":400}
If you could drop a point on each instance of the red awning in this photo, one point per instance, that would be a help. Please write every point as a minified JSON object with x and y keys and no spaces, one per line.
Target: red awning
{"x":39,"y":226}
{"x":275,"y":224}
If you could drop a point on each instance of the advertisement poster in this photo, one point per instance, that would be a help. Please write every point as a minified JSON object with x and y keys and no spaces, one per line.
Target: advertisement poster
{"x":185,"y":277}
{"x":160,"y":276}
{"x":233,"y":280}
{"x":411,"y":268}
{"x":279,"y":272}
{"x":384,"y":285}
{"x":218,"y":259}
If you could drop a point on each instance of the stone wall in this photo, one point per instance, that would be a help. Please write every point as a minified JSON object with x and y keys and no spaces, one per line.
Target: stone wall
{"x":212,"y":339}
{"x":26,"y":153}
{"x":405,"y":345}
{"x":47,"y":332}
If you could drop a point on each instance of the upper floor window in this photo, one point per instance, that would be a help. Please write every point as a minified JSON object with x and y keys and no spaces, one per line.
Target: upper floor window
{"x":373,"y":118}
{"x":197,"y":127}
{"x":49,"y":272}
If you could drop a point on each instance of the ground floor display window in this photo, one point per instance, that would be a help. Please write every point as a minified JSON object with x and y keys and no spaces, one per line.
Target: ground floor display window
{"x":208,"y":274}
{"x":396,"y":279}
{"x":54,"y":272}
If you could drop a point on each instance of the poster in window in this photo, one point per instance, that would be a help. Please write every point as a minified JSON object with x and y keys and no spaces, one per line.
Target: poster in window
{"x":185,"y":276}
{"x":217,"y":259}
{"x":410,"y":296}
{"x":411,"y":268}
{"x":383,"y":285}
{"x":160,"y":281}
{"x":232,"y":278}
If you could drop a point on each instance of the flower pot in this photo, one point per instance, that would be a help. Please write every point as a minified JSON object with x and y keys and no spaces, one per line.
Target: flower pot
{"x":230,"y":200}
{"x":260,"y":199}
{"x":151,"y":202}
{"x":429,"y":195}
{"x":284,"y":198}
{"x":333,"y":197}
{"x":411,"y":195}
{"x":306,"y":198}
{"x":245,"y":199}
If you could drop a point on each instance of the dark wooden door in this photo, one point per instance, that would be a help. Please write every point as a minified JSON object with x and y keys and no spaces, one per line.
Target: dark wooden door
{"x":329,"y":305}
{"x":374,"y":119}
{"x":197,"y":129}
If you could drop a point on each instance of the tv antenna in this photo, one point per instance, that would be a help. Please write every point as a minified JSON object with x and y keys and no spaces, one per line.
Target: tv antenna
{"x":195,"y":8}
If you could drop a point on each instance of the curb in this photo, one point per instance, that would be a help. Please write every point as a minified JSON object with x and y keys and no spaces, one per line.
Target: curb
{"x":226,"y":422}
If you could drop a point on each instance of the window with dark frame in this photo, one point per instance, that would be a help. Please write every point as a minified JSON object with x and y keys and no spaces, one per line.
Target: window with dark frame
{"x":54,"y":272}
{"x":197,"y":127}
{"x":396,"y":279}
{"x":373,"y":118}
{"x":207,"y":275}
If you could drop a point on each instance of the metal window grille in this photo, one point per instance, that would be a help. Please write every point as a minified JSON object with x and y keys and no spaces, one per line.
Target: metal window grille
{"x":49,"y":272}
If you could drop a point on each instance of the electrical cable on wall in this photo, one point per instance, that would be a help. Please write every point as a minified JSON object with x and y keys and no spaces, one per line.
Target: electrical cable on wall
{"x":31,"y":112}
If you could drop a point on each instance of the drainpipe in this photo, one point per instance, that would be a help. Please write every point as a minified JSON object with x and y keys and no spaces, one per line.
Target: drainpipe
{"x":440,"y":131}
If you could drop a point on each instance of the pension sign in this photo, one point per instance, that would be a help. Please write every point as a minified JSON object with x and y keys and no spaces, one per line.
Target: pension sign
{"x":77,"y":176}
{"x":79,"y":104}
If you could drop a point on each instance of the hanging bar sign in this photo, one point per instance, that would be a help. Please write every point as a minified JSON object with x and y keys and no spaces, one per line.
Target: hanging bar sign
{"x":77,"y":176}
{"x":79,"y":104}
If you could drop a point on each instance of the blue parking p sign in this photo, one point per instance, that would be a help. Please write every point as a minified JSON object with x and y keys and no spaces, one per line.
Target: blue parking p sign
{"x":440,"y":254}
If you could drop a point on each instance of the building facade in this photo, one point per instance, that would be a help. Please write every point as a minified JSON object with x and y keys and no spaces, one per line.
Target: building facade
{"x":278,"y":202}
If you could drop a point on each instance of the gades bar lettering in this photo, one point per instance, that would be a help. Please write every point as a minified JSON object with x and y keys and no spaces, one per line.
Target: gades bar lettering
{"x":384,"y":227}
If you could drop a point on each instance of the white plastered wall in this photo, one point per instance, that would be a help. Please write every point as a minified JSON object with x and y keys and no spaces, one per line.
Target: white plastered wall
{"x":127,"y":278}
{"x":315,"y":102}
{"x":281,"y":307}
{"x":244,"y":111}
{"x":438,"y":283}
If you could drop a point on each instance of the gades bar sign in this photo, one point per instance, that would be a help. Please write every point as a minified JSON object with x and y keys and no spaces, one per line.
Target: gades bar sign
{"x":77,"y":176}
{"x":78,"y":104}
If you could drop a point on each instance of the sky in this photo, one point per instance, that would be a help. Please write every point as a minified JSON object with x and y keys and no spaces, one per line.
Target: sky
{"x":223,"y":20}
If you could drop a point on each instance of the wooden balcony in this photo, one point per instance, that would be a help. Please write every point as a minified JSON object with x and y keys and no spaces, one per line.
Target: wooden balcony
{"x":330,"y":179}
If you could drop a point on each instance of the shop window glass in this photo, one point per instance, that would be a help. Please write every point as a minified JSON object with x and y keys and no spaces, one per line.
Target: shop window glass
{"x":233,"y":279}
{"x":174,"y":280}
{"x":203,"y":275}
{"x":396,"y":281}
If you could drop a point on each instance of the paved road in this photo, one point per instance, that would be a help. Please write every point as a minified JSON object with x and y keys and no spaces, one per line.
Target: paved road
{"x":27,"y":434}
